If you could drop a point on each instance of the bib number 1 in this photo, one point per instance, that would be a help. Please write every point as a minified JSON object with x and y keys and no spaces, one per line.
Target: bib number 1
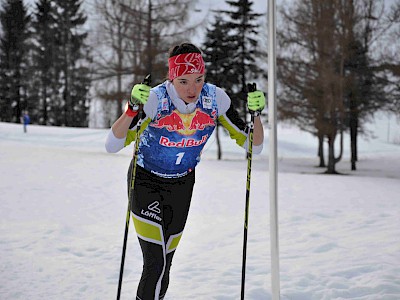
{"x":179,"y":158}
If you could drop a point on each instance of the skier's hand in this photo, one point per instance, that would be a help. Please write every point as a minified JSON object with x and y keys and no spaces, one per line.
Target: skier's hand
{"x":139,"y":94}
{"x":255,"y":101}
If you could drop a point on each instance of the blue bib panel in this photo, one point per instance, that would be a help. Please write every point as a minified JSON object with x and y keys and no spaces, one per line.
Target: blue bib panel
{"x":171,"y":144}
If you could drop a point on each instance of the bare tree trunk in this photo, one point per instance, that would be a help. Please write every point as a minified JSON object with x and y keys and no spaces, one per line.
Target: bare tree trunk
{"x":321,"y":151}
{"x":331,"y":155}
{"x":337,"y":159}
{"x":44,"y":99}
{"x":66,"y":62}
{"x":353,"y":138}
{"x":66,"y":94}
{"x":332,"y":160}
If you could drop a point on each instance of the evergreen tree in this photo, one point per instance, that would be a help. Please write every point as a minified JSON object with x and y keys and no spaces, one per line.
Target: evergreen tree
{"x":47,"y":83}
{"x":14,"y":46}
{"x":230,"y":53}
{"x":74,"y":58}
{"x":365,"y":90}
{"x":243,"y":25}
{"x":218,"y":49}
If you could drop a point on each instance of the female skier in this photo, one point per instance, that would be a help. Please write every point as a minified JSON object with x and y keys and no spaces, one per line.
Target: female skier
{"x":179,"y":117}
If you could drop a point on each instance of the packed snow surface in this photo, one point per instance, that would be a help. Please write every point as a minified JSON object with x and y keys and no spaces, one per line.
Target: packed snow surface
{"x":63,"y":206}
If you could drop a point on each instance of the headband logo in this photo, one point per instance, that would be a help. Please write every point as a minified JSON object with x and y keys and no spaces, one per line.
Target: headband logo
{"x":188,"y":63}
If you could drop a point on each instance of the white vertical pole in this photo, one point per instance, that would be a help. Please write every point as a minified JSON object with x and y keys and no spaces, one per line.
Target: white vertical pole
{"x":273,"y":170}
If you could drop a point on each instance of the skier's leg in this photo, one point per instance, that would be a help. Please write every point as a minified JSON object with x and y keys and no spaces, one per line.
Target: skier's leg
{"x":159,"y":209}
{"x":153,"y":268}
{"x":147,"y":217}
{"x":176,"y":203}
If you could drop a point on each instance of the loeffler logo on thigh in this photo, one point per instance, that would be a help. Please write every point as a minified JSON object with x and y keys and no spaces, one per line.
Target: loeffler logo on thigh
{"x":154,"y":211}
{"x":154,"y":207}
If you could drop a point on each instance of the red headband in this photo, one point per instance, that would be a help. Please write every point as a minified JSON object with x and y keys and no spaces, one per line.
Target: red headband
{"x":187,"y":63}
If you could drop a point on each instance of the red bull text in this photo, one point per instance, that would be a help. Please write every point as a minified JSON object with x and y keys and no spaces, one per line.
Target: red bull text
{"x":164,"y":141}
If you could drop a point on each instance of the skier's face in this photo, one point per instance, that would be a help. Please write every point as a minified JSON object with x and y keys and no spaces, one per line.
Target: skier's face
{"x":189,"y":86}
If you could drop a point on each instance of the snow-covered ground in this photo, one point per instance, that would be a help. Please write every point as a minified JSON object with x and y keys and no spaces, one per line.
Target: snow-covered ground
{"x":63,"y":204}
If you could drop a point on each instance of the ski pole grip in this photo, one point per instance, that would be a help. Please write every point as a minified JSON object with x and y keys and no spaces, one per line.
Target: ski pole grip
{"x":251,"y":87}
{"x":147,"y":80}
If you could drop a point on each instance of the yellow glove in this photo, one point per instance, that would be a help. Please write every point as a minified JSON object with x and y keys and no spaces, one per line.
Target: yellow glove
{"x":139,"y":94}
{"x":255,"y":101}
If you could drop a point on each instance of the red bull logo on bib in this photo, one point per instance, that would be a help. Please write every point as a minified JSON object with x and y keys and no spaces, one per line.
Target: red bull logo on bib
{"x":186,"y":124}
{"x":172,"y":122}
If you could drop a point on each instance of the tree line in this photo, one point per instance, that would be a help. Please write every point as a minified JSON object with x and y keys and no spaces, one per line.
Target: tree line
{"x":337,"y":61}
{"x":338,"y":65}
{"x":45,"y":63}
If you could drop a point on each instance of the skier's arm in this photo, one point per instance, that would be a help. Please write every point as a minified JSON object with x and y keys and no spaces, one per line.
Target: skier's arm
{"x":255,"y":104}
{"x":258,"y":133}
{"x":236,"y":127}
{"x":116,"y":136}
{"x":123,"y":131}
{"x":121,"y":126}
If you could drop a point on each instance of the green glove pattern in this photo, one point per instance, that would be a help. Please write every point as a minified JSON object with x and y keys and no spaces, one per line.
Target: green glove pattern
{"x":139,"y":95}
{"x":256,"y":101}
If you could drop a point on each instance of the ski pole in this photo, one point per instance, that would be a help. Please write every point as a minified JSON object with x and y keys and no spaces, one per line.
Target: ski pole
{"x":146,"y":81}
{"x":250,"y":88}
